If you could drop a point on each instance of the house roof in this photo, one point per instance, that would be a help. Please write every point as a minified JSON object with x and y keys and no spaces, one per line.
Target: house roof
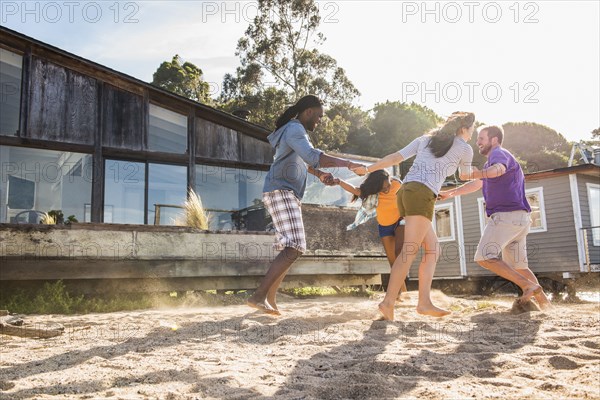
{"x":584,"y":169}
{"x":21,"y":42}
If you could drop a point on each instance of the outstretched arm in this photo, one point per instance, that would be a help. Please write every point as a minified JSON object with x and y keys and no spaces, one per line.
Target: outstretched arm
{"x":467,"y":188}
{"x":348,"y":187}
{"x":387,"y":161}
{"x":324,"y":177}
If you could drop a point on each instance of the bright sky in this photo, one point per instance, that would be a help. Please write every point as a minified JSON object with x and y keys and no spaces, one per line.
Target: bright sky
{"x":507,"y":61}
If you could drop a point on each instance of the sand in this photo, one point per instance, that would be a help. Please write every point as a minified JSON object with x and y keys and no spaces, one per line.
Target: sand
{"x":322,"y":348}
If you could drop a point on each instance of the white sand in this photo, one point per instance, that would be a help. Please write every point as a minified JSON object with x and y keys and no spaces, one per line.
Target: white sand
{"x":326,"y":348}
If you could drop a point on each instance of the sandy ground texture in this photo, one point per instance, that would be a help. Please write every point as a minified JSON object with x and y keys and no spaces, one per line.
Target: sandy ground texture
{"x":325,"y":348}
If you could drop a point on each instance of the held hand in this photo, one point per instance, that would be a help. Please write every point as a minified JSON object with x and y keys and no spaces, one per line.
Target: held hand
{"x":359,"y":170}
{"x":327,"y":179}
{"x":445,"y":195}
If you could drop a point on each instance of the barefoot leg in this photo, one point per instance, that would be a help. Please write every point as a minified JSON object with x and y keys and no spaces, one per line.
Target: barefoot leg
{"x":540,"y":297}
{"x":426,"y":271}
{"x":277,"y":271}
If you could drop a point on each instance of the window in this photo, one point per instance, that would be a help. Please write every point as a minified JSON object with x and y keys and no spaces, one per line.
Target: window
{"x":11,"y":66}
{"x":167,"y":191}
{"x":535,"y":198}
{"x":167,"y":131}
{"x":317,"y":193}
{"x":443,"y":222}
{"x":41,"y":180}
{"x":593,"y":191}
{"x":124,"y":183}
{"x":225,"y":191}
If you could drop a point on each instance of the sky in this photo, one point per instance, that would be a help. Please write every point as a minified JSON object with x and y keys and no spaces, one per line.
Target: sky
{"x":507,"y":61}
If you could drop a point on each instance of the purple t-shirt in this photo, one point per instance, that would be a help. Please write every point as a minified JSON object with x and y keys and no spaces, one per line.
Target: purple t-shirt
{"x":506,"y":192}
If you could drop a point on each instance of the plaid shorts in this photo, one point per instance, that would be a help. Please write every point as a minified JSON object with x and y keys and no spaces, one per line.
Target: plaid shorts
{"x":285,"y":210}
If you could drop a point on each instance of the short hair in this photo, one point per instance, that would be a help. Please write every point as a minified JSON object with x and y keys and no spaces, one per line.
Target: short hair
{"x":493,"y":131}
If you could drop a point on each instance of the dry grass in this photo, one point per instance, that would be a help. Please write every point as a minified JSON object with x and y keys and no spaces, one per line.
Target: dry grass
{"x":194,"y":214}
{"x":48,"y":219}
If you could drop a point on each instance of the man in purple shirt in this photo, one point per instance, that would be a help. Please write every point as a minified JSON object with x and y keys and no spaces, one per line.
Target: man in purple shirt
{"x":503,"y":185}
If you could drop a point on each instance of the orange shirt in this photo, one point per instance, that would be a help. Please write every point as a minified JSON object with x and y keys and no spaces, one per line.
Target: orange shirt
{"x":387,"y":208}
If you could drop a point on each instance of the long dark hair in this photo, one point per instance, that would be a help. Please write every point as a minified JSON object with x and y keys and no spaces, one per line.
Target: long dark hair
{"x":308,"y":101}
{"x":372,"y":185}
{"x":442,"y":138}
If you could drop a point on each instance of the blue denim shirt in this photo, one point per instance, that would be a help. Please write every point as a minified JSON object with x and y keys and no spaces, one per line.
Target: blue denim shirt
{"x":293,"y":151}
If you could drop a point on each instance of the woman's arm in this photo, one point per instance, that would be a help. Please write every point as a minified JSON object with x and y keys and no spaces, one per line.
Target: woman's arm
{"x":348,"y":187}
{"x":387,"y":161}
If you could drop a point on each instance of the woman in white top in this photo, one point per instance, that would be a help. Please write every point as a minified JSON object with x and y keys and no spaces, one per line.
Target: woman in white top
{"x":438,"y":155}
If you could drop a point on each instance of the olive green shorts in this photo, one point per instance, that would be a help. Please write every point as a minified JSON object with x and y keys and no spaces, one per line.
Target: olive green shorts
{"x":415,"y":198}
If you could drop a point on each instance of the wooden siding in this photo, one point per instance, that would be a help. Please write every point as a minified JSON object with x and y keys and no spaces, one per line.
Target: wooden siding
{"x":586,"y":218}
{"x":123,"y":119}
{"x":216,"y":141}
{"x":63,"y":104}
{"x":552,"y":251}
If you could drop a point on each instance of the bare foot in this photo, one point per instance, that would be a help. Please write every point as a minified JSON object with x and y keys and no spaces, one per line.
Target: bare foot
{"x":386,"y":311}
{"x":543,"y":301}
{"x":263,"y":306}
{"x":432,"y":311}
{"x":529,"y":292}
{"x":273,"y":304}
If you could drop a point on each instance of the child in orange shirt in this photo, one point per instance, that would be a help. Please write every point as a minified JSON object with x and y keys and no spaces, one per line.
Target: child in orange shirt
{"x":391,"y":225}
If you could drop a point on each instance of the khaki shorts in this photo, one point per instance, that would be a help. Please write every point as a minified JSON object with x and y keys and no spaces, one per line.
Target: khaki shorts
{"x":506,"y":233}
{"x":414,"y":198}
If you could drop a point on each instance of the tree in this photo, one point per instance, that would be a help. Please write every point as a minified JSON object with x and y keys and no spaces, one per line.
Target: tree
{"x":279,"y":51}
{"x":596,"y":134}
{"x":183,"y":79}
{"x":396,"y":124}
{"x":541,"y":147}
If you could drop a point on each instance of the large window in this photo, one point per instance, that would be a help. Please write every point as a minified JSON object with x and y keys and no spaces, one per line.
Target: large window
{"x":11,"y":66}
{"x":227,"y":192}
{"x":535,"y":198}
{"x":36,"y":181}
{"x":124,"y":183}
{"x":317,"y":193}
{"x":167,"y":190}
{"x":593,"y":191}
{"x":167,"y":131}
{"x":443,"y":222}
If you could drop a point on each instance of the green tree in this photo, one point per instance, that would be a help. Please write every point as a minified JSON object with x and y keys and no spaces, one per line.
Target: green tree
{"x":396,"y":124}
{"x":184,"y":79}
{"x":596,"y":134}
{"x":279,"y":53}
{"x":539,"y":146}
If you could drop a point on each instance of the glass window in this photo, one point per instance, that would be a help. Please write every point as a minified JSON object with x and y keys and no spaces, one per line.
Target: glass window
{"x":124,"y":183}
{"x":227,"y":193}
{"x":317,"y":193}
{"x":167,"y":131}
{"x":594,"y":202}
{"x":167,"y":191}
{"x":11,"y":66}
{"x":35,"y":181}
{"x":535,"y":197}
{"x":443,"y":222}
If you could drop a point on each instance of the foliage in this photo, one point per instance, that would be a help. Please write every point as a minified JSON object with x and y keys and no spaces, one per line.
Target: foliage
{"x":54,"y":217}
{"x":541,"y":147}
{"x":194,"y":214}
{"x":280,"y":63}
{"x":184,"y":79}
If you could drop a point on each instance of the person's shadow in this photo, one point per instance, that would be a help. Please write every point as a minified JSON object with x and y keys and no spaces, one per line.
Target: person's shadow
{"x":389,"y":360}
{"x":392,"y":357}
